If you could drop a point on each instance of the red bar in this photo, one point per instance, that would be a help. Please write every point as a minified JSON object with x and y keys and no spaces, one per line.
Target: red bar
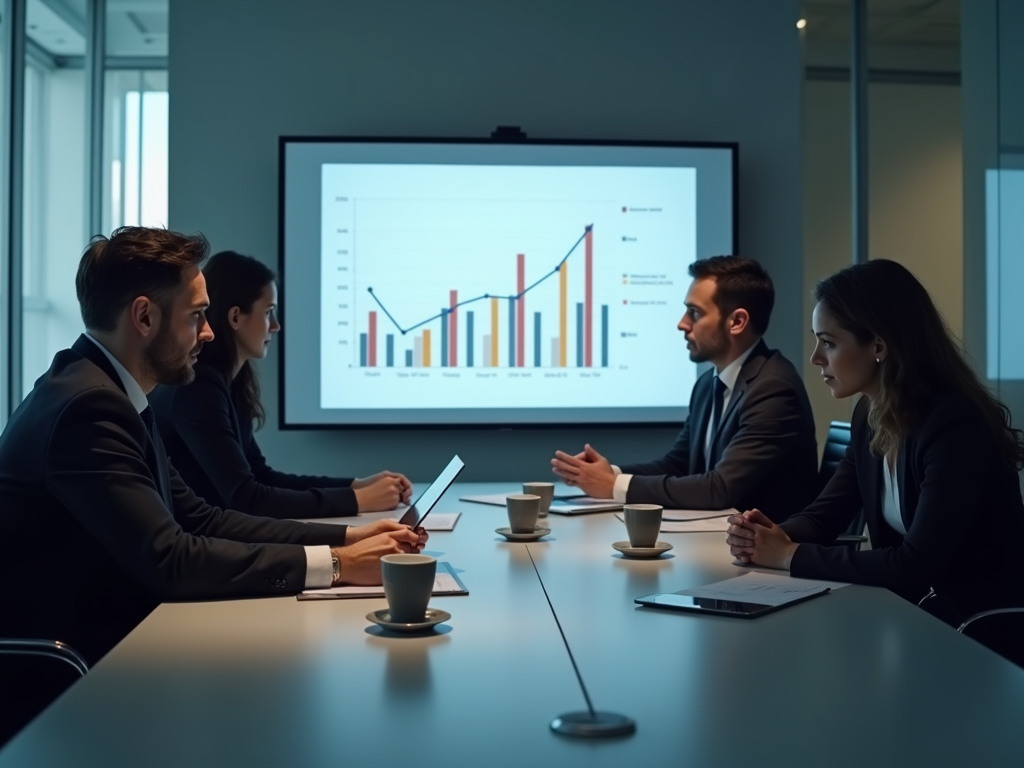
{"x":588,"y":299}
{"x":371,"y":342}
{"x":453,"y":327}
{"x":520,"y":310}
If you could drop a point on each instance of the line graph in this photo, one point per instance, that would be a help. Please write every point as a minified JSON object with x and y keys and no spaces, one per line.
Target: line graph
{"x":511,"y":297}
{"x":452,"y":353}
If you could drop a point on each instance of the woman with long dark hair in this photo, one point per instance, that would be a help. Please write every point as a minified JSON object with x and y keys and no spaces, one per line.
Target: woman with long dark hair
{"x":207,"y":426}
{"x":933,"y":458}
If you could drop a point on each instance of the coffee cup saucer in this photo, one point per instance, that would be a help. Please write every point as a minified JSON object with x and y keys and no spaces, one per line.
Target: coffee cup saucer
{"x":433,"y":617}
{"x":642,"y":553}
{"x":538,"y":532}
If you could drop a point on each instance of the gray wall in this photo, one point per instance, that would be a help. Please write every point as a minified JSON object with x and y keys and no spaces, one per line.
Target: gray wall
{"x":243,"y":72}
{"x":916,"y":199}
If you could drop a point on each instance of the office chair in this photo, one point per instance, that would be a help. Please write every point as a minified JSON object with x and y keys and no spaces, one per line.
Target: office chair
{"x":33,"y":673}
{"x":836,"y":443}
{"x":1000,"y":629}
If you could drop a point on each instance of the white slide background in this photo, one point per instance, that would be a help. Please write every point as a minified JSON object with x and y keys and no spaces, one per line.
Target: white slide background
{"x":413,"y":233}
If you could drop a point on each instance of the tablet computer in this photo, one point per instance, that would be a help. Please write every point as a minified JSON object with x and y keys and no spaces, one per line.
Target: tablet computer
{"x":420,"y":508}
{"x":673,"y":601}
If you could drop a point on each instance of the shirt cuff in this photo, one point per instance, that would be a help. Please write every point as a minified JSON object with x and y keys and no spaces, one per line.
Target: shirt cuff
{"x":621,"y":487}
{"x":319,"y":567}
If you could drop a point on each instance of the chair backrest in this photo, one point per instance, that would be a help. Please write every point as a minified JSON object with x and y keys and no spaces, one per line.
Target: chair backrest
{"x":836,"y":443}
{"x":835,"y":449}
{"x":33,"y":673}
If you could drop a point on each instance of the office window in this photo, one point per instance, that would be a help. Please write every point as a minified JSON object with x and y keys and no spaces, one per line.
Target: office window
{"x":54,"y":191}
{"x":1004,"y":250}
{"x":56,"y":187}
{"x":135,"y":148}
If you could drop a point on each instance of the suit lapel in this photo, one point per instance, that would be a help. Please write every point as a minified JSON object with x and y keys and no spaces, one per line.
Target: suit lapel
{"x":749,"y":371}
{"x":901,"y":484}
{"x":162,"y":469}
{"x":156,"y":456}
{"x":700,"y":419}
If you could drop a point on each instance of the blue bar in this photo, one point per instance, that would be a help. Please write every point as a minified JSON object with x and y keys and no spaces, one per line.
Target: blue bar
{"x":579,"y":335}
{"x":511,"y":333}
{"x":469,"y":339}
{"x":391,"y":350}
{"x":444,"y":337}
{"x":536,"y":339}
{"x":362,"y":350}
{"x":408,"y":358}
{"x":604,"y":335}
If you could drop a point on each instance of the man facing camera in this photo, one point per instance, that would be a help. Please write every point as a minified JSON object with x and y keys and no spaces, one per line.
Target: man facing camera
{"x":748,"y":441}
{"x":96,"y":526}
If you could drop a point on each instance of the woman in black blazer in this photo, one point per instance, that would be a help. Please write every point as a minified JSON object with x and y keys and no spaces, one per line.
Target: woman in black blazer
{"x":207,"y":426}
{"x":933,"y":459}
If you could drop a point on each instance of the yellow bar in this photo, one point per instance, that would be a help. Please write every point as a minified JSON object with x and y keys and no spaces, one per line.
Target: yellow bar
{"x":563,"y":312}
{"x":426,"y":348}
{"x":494,"y":333}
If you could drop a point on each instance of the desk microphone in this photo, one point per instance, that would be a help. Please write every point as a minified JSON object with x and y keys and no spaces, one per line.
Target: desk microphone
{"x":589,"y":724}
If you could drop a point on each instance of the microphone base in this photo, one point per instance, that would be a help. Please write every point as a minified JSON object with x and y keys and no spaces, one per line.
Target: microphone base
{"x":595,"y":725}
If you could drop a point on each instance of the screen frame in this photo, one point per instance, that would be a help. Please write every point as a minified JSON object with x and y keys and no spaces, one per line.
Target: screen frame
{"x":503,"y":139}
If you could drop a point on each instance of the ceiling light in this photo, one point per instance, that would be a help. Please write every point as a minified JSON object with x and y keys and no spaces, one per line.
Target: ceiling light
{"x":801,"y":23}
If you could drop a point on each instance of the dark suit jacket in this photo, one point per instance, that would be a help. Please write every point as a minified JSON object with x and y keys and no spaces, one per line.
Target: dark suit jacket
{"x":764,"y":454}
{"x":957,"y":502}
{"x":217,"y":455}
{"x":97,"y":528}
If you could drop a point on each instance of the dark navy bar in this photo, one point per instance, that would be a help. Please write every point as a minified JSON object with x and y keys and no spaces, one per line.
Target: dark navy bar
{"x":511,"y":333}
{"x":604,"y":335}
{"x":390,"y":350}
{"x":536,"y":339}
{"x":469,"y":340}
{"x":579,"y":335}
{"x":408,"y":358}
{"x":362,"y":350}
{"x":444,"y":338}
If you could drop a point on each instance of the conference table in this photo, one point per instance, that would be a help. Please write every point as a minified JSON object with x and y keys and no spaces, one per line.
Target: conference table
{"x":855,"y":677}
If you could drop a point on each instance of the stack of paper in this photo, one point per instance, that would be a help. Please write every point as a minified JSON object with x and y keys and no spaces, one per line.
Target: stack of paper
{"x":445,"y":583}
{"x":436,"y":521}
{"x":693,"y":520}
{"x":762,"y":588}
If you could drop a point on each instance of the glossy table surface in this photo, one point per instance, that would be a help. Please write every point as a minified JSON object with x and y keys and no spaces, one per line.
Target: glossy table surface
{"x":852,"y":678}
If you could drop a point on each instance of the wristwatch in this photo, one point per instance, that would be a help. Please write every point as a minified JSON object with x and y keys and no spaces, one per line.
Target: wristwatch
{"x":336,"y":565}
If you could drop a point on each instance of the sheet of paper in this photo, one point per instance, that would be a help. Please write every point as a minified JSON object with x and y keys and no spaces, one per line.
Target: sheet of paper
{"x":497,"y":499}
{"x":711,"y":525}
{"x":441,"y":521}
{"x":763,"y":588}
{"x":833,"y":585}
{"x":580,"y":504}
{"x":577,"y":506}
{"x":436,"y":521}
{"x":695,"y":514}
{"x":444,"y":583}
{"x":706,"y":525}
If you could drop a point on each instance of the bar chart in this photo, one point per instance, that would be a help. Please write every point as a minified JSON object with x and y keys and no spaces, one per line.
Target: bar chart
{"x":505,"y":287}
{"x":534,"y":349}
